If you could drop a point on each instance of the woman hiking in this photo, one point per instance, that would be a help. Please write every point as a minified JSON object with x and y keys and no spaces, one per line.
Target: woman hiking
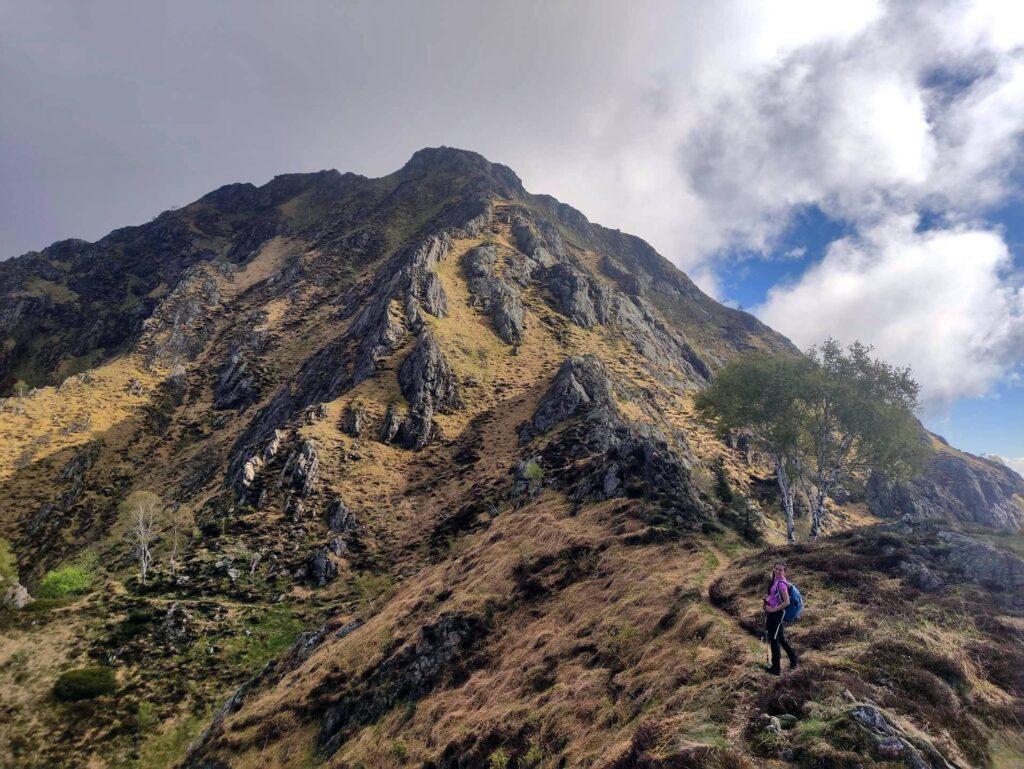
{"x":775,"y":604}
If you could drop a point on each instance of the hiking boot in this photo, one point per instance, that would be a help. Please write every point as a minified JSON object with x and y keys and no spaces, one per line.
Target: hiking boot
{"x":794,"y":664}
{"x":772,"y":671}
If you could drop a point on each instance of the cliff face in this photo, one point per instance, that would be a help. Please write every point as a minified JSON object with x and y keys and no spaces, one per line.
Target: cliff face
{"x":955,"y":485}
{"x":444,"y":427}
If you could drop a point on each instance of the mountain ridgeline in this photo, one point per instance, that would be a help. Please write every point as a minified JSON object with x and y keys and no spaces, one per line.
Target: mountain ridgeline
{"x":433,"y":493}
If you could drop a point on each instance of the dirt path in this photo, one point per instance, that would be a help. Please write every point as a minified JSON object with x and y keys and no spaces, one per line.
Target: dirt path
{"x":747,"y":684}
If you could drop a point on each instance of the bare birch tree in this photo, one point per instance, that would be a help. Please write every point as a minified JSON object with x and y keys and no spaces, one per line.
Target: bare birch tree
{"x":144,"y":513}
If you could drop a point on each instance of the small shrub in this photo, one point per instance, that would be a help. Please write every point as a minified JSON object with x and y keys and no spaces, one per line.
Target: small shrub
{"x":84,"y":684}
{"x":499,"y":760}
{"x":533,"y":756}
{"x":8,"y":563}
{"x":533,"y":472}
{"x":722,"y":488}
{"x":400,"y":751}
{"x":65,"y":582}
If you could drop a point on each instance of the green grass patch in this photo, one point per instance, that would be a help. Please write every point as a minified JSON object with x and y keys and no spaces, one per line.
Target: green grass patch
{"x":42,"y":605}
{"x":269,"y":635}
{"x":165,"y":748}
{"x":65,"y":582}
{"x":85,"y":684}
{"x":368,"y":587}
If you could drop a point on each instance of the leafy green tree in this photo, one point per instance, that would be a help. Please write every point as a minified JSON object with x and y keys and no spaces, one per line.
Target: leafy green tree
{"x":825,"y":420}
{"x":858,"y":416}
{"x":761,"y":395}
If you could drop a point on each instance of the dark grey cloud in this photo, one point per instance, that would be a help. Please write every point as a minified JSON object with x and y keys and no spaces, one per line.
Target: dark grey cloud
{"x":698,"y":125}
{"x":113,"y":111}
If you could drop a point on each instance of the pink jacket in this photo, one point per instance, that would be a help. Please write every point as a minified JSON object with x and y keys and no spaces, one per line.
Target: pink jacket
{"x":775,"y":599}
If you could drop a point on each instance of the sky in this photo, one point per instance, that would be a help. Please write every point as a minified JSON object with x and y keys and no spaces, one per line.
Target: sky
{"x":847,"y":169}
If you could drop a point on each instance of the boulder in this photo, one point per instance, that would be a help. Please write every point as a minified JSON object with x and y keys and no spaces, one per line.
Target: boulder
{"x":890,"y":742}
{"x":320,"y":568}
{"x":353,"y":421}
{"x":178,"y":627}
{"x":14,"y":596}
{"x":340,"y":519}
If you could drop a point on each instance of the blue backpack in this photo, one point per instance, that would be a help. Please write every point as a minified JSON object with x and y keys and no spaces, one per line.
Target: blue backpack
{"x":796,"y":604}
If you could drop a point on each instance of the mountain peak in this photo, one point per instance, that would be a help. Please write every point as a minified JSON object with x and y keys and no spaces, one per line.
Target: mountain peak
{"x":464,"y":163}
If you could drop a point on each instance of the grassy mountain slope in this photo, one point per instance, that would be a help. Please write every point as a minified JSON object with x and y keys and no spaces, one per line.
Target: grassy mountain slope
{"x":448,"y":505}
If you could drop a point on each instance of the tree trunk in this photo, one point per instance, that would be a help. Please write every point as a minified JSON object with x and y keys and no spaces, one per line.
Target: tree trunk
{"x":819,"y":515}
{"x":787,"y":496}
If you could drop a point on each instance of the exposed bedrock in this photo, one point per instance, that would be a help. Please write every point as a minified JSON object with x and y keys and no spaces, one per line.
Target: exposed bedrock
{"x":236,"y":385}
{"x":493,"y":295}
{"x":301,"y":471}
{"x":954,"y":485}
{"x":581,"y":384}
{"x":600,"y":455}
{"x":429,"y":387}
{"x":181,"y":324}
{"x":579,"y":297}
{"x":375,"y":333}
{"x":441,"y":651}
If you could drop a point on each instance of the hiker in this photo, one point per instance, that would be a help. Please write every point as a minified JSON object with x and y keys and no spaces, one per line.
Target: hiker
{"x":775,"y":604}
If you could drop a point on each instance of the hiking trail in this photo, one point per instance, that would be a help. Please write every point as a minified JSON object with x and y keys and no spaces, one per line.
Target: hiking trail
{"x":746,"y":684}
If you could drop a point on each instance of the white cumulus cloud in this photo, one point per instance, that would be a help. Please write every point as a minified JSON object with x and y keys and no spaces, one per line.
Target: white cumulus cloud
{"x":943,"y":301}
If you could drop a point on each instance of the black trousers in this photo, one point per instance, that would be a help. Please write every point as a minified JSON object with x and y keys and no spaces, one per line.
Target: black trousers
{"x":776,"y":629}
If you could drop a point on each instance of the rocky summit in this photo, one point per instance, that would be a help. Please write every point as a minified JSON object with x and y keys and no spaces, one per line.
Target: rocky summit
{"x":430,"y":491}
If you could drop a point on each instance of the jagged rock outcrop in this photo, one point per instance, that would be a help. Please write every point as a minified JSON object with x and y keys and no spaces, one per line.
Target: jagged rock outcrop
{"x":353,"y":421}
{"x":321,"y":568}
{"x":240,"y":380}
{"x":375,"y":332}
{"x":440,"y":650}
{"x":301,"y":470}
{"x":180,"y":326}
{"x":391,"y":425}
{"x":493,"y":295}
{"x":599,"y":455}
{"x":429,"y":387}
{"x":236,"y":385}
{"x":981,"y":563}
{"x":339,"y":518}
{"x":580,"y":298}
{"x":255,"y":461}
{"x":954,"y":485}
{"x":543,"y":245}
{"x":581,"y":384}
